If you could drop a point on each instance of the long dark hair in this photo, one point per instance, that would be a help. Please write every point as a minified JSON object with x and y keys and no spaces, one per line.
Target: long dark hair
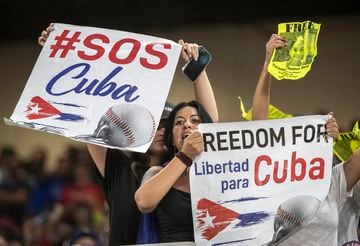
{"x":141,"y":161}
{"x":168,"y":134}
{"x":139,"y":165}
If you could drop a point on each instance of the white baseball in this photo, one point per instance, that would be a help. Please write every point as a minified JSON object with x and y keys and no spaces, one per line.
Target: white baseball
{"x":126,"y":125}
{"x":292,"y":215}
{"x":299,"y":210}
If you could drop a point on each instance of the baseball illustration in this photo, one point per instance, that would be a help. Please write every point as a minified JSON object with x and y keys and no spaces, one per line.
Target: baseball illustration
{"x":292,"y":215}
{"x":126,"y":125}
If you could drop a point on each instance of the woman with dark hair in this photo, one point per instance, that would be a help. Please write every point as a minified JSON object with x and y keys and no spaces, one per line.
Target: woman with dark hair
{"x":167,"y":189}
{"x":168,"y":135}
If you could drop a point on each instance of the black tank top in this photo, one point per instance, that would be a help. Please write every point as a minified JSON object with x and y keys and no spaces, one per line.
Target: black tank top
{"x":175,"y":217}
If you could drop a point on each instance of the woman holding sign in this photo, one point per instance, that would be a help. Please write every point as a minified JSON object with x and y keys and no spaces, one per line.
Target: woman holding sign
{"x":120,"y":174}
{"x":323,"y":228}
{"x":167,"y":189}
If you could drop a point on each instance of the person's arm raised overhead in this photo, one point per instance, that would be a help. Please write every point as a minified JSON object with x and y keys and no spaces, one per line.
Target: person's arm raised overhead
{"x":202,"y":86}
{"x":98,"y":154}
{"x":261,"y":99}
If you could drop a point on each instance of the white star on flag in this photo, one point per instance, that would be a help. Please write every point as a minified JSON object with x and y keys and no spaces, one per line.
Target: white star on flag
{"x":208,"y":220}
{"x":35,"y":109}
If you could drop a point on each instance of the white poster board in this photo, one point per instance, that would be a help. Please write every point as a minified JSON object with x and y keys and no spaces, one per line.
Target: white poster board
{"x":255,"y":177}
{"x":100,"y":86}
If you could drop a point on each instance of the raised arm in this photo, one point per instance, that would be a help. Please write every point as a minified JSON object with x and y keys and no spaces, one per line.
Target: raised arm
{"x":261,"y":99}
{"x":158,"y":181}
{"x":98,"y":154}
{"x":202,"y":86}
{"x":352,"y":169}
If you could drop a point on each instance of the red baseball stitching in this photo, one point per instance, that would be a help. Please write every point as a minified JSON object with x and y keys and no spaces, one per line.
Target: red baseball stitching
{"x":118,"y":122}
{"x":153,"y":125}
{"x":288,"y":217}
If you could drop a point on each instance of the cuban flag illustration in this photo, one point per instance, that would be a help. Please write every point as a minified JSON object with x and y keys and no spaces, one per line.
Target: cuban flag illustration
{"x":38,"y":108}
{"x":213,"y":218}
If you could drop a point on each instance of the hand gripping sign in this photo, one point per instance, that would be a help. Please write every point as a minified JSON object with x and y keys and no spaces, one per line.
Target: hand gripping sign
{"x":97,"y":85}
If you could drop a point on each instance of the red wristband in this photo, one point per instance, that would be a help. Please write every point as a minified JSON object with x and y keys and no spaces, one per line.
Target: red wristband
{"x":184,"y":158}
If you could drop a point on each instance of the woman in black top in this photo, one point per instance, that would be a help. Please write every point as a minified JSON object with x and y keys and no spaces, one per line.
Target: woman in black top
{"x":124,"y":220}
{"x":167,"y":188}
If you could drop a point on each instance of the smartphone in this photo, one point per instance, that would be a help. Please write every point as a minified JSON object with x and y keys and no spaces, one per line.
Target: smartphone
{"x":192,"y":68}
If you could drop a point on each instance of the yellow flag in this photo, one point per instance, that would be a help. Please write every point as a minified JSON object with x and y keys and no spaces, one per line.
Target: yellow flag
{"x":274,"y":113}
{"x":347,"y":143}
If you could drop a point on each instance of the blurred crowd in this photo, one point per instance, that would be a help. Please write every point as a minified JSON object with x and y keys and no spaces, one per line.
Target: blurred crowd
{"x":63,"y":206}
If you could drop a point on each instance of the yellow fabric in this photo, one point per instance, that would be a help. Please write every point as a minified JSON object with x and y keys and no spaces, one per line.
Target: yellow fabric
{"x":347,"y":143}
{"x":274,"y":113}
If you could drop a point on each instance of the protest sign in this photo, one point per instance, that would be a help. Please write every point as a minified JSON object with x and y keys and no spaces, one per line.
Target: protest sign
{"x":257,"y":178}
{"x":99,"y":86}
{"x":294,"y":61}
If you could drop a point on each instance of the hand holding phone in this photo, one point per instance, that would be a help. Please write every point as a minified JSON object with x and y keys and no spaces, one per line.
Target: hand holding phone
{"x":193,"y":68}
